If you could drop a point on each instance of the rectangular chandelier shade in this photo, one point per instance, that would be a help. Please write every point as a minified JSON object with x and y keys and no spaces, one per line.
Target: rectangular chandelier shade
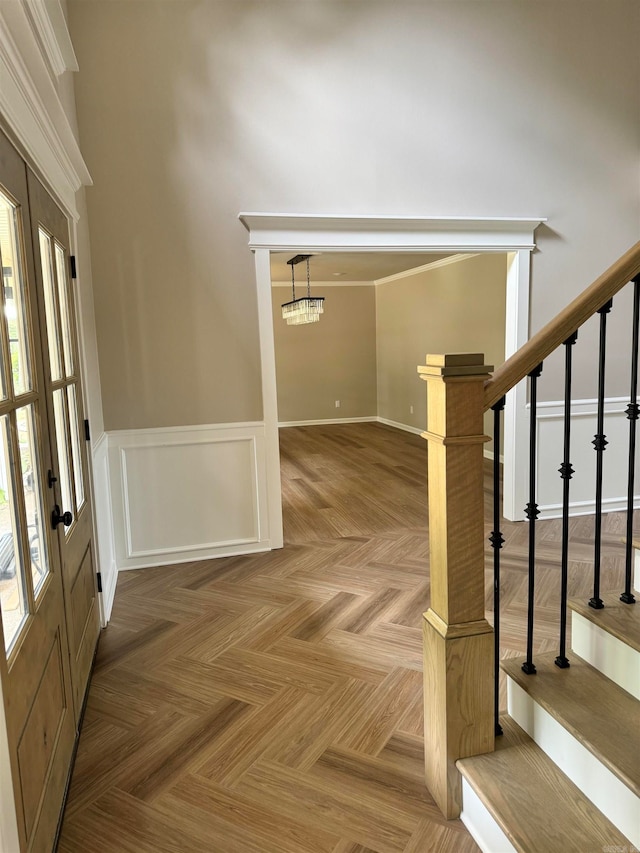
{"x":305,"y":310}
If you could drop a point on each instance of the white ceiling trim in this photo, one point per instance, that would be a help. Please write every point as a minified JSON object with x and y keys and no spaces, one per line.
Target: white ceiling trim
{"x":302,"y":285}
{"x":442,"y":262}
{"x":323,"y":233}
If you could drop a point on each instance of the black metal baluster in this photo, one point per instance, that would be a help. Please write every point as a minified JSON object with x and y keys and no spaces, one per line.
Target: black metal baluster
{"x":532,"y":512}
{"x":497,"y":541}
{"x":633,"y":411}
{"x":600,"y":444}
{"x":566,"y":473}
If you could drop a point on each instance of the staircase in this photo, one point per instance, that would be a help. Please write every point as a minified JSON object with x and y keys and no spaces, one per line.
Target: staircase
{"x":561,"y":771}
{"x":565,"y":774}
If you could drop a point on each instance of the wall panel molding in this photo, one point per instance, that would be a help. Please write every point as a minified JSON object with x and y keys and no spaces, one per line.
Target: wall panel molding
{"x":549,"y":425}
{"x":188,"y":493}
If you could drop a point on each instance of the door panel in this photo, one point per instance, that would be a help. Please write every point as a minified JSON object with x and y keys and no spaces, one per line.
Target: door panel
{"x":39,"y":737}
{"x":64,"y":398}
{"x":35,"y":669}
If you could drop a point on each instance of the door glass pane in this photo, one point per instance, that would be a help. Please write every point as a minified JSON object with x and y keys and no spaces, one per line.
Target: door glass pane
{"x":12,"y":584}
{"x":32,"y":496}
{"x":64,"y":463}
{"x":46,"y":260}
{"x":63,"y":280}
{"x":14,"y":296}
{"x":75,"y":446}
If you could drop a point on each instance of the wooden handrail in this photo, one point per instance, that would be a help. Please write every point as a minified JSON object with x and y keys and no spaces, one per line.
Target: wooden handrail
{"x":537,"y":348}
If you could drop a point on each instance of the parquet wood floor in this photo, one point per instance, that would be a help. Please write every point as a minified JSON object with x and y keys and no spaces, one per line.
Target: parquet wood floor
{"x":272,"y":703}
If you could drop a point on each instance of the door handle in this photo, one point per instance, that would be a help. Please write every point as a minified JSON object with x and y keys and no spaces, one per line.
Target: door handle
{"x":56,"y":518}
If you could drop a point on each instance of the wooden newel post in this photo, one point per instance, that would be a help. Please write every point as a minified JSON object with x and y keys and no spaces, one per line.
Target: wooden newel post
{"x":458,"y":640}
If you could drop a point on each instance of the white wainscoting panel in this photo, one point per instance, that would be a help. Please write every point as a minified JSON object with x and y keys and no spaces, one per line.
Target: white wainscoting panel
{"x":188,"y":493}
{"x":103,"y":525}
{"x":550,"y":429}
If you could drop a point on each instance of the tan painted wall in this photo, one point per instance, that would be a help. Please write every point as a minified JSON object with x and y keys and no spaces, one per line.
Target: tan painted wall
{"x":334,"y":359}
{"x":454,"y":308}
{"x":193,"y":111}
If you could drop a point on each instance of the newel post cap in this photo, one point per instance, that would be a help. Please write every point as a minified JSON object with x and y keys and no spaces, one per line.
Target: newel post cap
{"x":454,"y":364}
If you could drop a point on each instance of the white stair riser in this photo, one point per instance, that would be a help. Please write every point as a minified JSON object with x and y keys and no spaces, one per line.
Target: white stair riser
{"x":484,"y":829}
{"x":602,"y":650}
{"x":620,"y":805}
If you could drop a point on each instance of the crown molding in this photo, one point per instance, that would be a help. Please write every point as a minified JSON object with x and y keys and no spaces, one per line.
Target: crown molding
{"x":31,"y":110}
{"x":322,"y":233}
{"x":50,"y":26}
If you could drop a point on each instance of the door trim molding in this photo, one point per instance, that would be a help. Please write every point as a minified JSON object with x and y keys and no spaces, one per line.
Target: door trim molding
{"x":272,"y":232}
{"x":32,"y":111}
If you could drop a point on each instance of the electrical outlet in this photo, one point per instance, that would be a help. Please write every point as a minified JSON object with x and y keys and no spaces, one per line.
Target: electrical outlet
{"x":410,"y":410}
{"x":337,"y":404}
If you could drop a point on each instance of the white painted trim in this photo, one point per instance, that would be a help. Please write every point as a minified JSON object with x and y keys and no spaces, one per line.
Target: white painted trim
{"x":182,"y":557}
{"x":583,"y":407}
{"x":322,"y":233}
{"x":50,"y":27}
{"x":488,"y":454}
{"x":104,"y":544}
{"x":213,"y":517}
{"x":323,"y":284}
{"x":269,"y":399}
{"x":611,"y":656}
{"x":319,"y":233}
{"x":123,"y":436}
{"x":617,"y":802}
{"x":434,"y":265}
{"x":482,"y":826}
{"x":203,"y":440}
{"x":515,"y":428}
{"x":32,"y":111}
{"x":549,"y":431}
{"x":323,"y":421}
{"x":554,"y":510}
{"x":398,"y":425}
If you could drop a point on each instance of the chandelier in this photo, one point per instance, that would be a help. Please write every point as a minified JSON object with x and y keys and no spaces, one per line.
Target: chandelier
{"x":308,"y":308}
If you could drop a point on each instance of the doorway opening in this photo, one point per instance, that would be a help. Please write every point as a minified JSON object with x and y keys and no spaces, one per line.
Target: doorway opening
{"x":270,"y":233}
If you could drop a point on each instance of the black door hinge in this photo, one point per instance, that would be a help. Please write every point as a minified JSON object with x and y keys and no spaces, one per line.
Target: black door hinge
{"x":87,"y":432}
{"x":72,"y":264}
{"x":99,"y":576}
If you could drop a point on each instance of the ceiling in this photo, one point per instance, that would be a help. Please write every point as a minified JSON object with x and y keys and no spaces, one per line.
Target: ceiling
{"x":351,"y":266}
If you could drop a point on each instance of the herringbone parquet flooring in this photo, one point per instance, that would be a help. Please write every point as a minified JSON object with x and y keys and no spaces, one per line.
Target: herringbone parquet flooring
{"x":273,"y":703}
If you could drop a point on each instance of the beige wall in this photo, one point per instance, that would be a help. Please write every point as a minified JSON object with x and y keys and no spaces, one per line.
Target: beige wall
{"x":334,"y":359}
{"x":193,"y":111}
{"x":455,"y":308}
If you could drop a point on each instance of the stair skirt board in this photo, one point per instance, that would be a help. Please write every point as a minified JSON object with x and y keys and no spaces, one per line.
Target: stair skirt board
{"x":614,"y":658}
{"x":619,"y":804}
{"x":482,"y":826}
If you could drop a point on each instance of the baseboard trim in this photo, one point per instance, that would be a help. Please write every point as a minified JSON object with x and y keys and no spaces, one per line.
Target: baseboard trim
{"x":398,"y":425}
{"x":256,"y":548}
{"x":323,"y":421}
{"x":372,"y":419}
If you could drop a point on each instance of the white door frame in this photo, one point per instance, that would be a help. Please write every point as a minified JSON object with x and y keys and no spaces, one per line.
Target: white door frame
{"x":270,"y":232}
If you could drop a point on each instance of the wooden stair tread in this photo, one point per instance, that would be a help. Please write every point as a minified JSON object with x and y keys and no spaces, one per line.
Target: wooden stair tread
{"x":603,"y":717}
{"x":534,"y":803}
{"x":618,"y":619}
